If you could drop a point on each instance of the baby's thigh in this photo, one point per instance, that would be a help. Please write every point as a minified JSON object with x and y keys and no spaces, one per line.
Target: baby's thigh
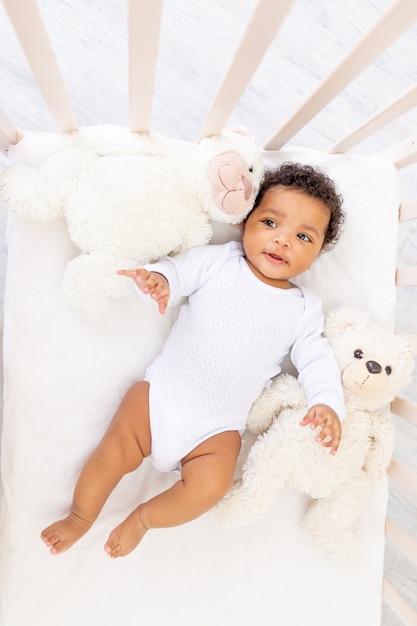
{"x":211,"y":465}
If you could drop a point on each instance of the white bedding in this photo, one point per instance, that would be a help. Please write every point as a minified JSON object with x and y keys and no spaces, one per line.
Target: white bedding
{"x":63,"y":379}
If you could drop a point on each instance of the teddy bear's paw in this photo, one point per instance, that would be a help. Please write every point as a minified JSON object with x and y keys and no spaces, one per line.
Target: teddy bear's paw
{"x":249,"y":499}
{"x":285,"y":392}
{"x":288,"y":392}
{"x":89,"y":282}
{"x":339,"y":540}
{"x":336,"y":541}
{"x":260,"y":417}
{"x":232,"y":509}
{"x":238,"y":508}
{"x":22,"y":191}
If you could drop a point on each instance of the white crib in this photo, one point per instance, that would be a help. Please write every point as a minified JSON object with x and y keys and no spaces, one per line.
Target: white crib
{"x":255,"y":45}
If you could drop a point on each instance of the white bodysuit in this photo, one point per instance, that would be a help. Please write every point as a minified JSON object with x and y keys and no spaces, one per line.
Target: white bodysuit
{"x":228,"y":342}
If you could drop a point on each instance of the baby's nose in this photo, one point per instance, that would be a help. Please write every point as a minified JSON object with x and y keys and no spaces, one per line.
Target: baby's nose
{"x":281,"y":237}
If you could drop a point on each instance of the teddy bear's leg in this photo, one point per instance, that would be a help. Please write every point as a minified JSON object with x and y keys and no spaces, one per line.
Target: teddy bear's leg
{"x":333,"y":524}
{"x":90,"y":280}
{"x":264,"y":474}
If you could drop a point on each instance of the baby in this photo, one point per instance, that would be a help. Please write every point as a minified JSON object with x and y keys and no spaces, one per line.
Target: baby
{"x":243,"y":315}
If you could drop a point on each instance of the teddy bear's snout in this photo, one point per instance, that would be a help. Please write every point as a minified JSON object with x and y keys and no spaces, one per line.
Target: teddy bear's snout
{"x":373,"y":367}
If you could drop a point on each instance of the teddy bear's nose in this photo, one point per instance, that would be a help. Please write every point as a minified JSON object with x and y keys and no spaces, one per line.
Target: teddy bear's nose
{"x":373,"y":367}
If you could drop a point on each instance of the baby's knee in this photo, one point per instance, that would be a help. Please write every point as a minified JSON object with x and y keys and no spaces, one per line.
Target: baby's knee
{"x":218,"y":486}
{"x":121,"y":449}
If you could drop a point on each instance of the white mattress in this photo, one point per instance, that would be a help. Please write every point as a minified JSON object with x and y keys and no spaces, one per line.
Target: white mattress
{"x":63,"y":379}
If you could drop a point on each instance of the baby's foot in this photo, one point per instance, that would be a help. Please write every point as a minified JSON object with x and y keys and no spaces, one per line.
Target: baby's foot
{"x":125,"y":537}
{"x":61,"y":535}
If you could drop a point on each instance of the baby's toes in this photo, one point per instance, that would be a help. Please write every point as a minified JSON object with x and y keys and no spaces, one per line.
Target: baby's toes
{"x":112,"y":547}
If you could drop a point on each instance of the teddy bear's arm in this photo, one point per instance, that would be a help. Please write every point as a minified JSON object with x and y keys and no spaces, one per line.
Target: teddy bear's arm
{"x":284,"y":392}
{"x":22,"y":190}
{"x":382,"y":441}
{"x":40,"y":194}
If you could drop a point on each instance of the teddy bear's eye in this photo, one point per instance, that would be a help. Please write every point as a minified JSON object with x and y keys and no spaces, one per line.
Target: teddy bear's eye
{"x":388,"y":370}
{"x":250,"y":168}
{"x":358,"y":354}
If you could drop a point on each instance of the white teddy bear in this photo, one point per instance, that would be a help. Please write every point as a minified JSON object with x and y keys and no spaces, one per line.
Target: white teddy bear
{"x":131,"y":198}
{"x":375,"y":364}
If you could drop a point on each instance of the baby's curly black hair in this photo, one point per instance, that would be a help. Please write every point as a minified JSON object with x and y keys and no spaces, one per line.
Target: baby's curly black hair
{"x":313,"y":182}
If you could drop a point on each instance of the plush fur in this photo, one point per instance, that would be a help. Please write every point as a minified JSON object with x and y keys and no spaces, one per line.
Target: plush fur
{"x":131,"y":198}
{"x":375,"y":364}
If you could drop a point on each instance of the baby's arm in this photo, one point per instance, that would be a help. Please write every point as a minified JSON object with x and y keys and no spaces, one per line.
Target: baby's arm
{"x":152,"y":283}
{"x":321,"y":415}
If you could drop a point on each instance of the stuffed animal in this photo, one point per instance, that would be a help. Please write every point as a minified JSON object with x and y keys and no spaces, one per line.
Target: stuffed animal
{"x":375,"y":364}
{"x":131,"y":198}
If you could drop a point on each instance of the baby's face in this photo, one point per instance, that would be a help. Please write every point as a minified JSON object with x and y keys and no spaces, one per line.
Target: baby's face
{"x":284,"y":235}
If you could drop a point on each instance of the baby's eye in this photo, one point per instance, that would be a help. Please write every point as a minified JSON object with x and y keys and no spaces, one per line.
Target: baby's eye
{"x":270,"y":223}
{"x":303,"y":237}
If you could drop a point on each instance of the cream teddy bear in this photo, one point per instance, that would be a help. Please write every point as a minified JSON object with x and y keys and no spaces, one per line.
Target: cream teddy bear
{"x":375,"y":364}
{"x":131,"y":198}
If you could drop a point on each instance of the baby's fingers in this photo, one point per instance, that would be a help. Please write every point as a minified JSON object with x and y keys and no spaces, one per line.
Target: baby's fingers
{"x":162,"y":304}
{"x":130,"y":273}
{"x":329,"y":438}
{"x":311,"y":418}
{"x":139,"y":276}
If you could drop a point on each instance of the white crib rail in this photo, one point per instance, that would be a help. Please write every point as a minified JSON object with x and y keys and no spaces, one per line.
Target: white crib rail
{"x":403,"y":153}
{"x":408,"y":211}
{"x":388,"y":28}
{"x":144,"y":26}
{"x":399,"y":605}
{"x":385,"y":116}
{"x":29,"y":27}
{"x":8,"y":133}
{"x":402,"y":541}
{"x":266,"y":19}
{"x":398,"y":472}
{"x":405,"y":409}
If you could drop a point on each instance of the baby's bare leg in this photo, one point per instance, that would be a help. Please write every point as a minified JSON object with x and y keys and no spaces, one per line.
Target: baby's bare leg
{"x":125,"y":444}
{"x":206,"y":476}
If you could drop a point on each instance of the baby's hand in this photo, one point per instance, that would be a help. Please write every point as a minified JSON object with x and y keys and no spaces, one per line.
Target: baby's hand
{"x":321,"y":415}
{"x":152,"y":283}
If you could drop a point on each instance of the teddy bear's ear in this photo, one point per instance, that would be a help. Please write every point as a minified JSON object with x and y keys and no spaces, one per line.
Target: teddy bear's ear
{"x":338,"y":320}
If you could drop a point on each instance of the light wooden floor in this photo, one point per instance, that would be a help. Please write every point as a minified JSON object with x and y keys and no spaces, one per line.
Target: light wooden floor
{"x":197,"y":41}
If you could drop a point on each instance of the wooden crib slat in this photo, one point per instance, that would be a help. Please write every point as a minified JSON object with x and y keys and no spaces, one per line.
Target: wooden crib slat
{"x":403,"y":153}
{"x":29,"y":27}
{"x":392,"y":23}
{"x":404,"y":476}
{"x":393,"y":111}
{"x":402,"y":609}
{"x":406,"y":276}
{"x":8,"y":133}
{"x":401,"y":540}
{"x":144,"y":28}
{"x":406,"y":409}
{"x":266,"y":19}
{"x":408,"y":211}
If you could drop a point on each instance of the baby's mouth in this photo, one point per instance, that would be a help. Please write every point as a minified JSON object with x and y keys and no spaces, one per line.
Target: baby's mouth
{"x":276,"y":257}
